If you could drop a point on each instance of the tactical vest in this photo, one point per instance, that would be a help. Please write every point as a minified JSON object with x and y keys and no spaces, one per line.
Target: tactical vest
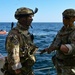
{"x":27,"y":50}
{"x":65,"y":38}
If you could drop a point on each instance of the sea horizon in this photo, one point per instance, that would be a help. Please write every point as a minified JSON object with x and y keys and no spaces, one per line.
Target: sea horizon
{"x":43,"y":33}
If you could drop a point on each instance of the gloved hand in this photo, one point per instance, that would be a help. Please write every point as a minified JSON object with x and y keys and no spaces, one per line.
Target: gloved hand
{"x":48,"y":50}
{"x":43,"y":51}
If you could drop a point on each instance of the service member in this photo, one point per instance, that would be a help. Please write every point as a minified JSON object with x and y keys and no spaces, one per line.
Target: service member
{"x":19,"y":44}
{"x":64,"y":44}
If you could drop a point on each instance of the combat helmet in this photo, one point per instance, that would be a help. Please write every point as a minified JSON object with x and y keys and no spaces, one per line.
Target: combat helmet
{"x":69,"y":13}
{"x":23,"y":11}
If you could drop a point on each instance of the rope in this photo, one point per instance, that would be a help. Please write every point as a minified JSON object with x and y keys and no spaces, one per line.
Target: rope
{"x":43,"y":69}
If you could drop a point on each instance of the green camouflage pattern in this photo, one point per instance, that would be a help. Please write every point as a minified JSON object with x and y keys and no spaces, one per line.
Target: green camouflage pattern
{"x":64,"y":63}
{"x":65,"y":36}
{"x":21,"y":49}
{"x":23,"y":11}
{"x":69,"y":13}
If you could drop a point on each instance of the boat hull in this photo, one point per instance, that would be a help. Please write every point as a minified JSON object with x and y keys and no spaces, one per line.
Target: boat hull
{"x":3,"y":32}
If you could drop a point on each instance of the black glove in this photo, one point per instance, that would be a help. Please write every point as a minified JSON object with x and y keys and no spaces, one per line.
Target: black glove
{"x":43,"y":51}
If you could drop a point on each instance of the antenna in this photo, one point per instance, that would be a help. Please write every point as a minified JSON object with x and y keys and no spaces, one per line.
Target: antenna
{"x":36,"y":10}
{"x":12,"y":24}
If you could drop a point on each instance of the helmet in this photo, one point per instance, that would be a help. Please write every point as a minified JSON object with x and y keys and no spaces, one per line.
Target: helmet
{"x":23,"y":11}
{"x":69,"y":13}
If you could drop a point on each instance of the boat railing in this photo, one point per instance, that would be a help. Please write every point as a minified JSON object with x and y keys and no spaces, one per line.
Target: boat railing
{"x":43,"y":69}
{"x":47,"y":69}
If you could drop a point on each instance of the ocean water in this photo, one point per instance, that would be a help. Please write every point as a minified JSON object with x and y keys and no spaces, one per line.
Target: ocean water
{"x":43,"y":33}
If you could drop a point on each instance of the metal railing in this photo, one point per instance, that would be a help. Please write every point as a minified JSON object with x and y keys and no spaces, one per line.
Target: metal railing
{"x":44,"y":68}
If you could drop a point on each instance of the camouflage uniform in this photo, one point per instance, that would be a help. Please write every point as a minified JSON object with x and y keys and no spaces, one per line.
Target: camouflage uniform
{"x":65,"y":63}
{"x":20,"y":48}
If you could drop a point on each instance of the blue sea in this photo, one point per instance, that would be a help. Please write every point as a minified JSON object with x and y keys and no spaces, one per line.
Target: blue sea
{"x":43,"y":33}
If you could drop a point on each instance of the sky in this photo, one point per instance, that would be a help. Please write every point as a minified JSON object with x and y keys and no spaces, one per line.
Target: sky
{"x":48,"y":10}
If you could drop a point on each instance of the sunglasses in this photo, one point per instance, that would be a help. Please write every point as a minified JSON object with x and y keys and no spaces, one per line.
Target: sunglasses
{"x":66,"y":17}
{"x":24,"y":15}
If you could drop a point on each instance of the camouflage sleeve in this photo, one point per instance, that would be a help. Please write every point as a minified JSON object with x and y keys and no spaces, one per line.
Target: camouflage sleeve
{"x":12,"y":46}
{"x":56,"y":42}
{"x":71,"y":46}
